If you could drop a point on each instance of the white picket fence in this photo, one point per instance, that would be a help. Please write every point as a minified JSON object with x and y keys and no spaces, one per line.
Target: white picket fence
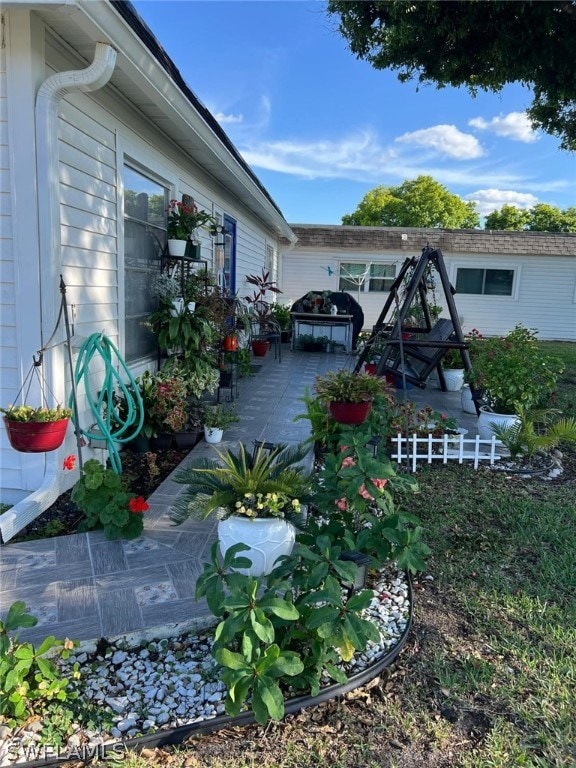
{"x":446,"y":448}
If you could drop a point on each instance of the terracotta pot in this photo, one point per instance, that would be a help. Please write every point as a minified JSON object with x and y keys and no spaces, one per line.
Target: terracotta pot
{"x":36,"y":436}
{"x":350,"y":413}
{"x":260,"y":348}
{"x":230,"y":343}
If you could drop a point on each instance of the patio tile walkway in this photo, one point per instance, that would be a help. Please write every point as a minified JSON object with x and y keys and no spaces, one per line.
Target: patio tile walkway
{"x":85,"y":587}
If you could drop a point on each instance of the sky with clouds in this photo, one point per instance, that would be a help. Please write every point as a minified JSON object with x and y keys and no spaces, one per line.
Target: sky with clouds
{"x":320,"y":128}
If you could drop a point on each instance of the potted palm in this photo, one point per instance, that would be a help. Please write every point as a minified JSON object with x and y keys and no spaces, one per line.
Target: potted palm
{"x":36,"y":430}
{"x":184,"y":220}
{"x":216,"y":418}
{"x":349,"y":395}
{"x":254,"y":495}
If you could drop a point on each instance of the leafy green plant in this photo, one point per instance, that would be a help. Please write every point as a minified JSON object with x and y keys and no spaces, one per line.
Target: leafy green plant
{"x":535,"y":432}
{"x":346,"y":386}
{"x":281,"y":314}
{"x":219,"y":417}
{"x":25,"y":413}
{"x":240,"y":477}
{"x":107,"y":502}
{"x":309,"y":341}
{"x":185,"y":219}
{"x":28,"y":680}
{"x":513,"y":370}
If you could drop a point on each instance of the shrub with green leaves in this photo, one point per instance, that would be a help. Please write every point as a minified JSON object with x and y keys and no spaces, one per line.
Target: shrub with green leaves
{"x":29,"y":680}
{"x":107,"y":502}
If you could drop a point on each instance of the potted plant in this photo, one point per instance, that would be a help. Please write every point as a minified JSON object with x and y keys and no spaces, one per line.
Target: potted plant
{"x":310,"y":343}
{"x":453,"y":370}
{"x":349,"y":395}
{"x":512,"y":371}
{"x":216,"y":418}
{"x":262,"y":310}
{"x":282,"y":316}
{"x":535,"y":433}
{"x":183,"y":222}
{"x":253,"y":494}
{"x":36,"y":430}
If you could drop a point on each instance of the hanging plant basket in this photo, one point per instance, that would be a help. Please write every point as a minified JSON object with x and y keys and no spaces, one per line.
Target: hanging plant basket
{"x":36,"y":436}
{"x":350,"y":413}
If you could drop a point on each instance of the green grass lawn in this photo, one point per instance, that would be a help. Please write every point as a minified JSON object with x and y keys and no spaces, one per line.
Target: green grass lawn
{"x":489,"y":675}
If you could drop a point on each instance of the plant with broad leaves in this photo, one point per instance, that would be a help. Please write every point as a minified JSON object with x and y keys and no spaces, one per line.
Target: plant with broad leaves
{"x":29,"y":680}
{"x":107,"y":502}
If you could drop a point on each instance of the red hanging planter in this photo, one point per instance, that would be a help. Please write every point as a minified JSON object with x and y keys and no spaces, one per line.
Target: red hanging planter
{"x":36,"y":436}
{"x":350,"y":413}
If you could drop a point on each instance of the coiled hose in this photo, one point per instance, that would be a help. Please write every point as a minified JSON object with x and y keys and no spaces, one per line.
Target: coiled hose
{"x":111,"y":426}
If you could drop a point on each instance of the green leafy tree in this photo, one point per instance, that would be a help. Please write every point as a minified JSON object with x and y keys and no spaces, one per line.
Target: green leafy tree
{"x":481,"y":45}
{"x":548,"y":218}
{"x":421,"y":202}
{"x":508,"y":217}
{"x":541,"y":218}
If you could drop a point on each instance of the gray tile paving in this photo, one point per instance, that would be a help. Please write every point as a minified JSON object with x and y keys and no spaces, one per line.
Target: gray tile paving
{"x":86,"y":587}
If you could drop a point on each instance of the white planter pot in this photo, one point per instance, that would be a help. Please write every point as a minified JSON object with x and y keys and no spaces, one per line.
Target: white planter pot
{"x":454,"y":379}
{"x":213,"y":434}
{"x":177,"y":247}
{"x":487,"y":418}
{"x":178,"y":307}
{"x":268,"y":539}
{"x":467,"y":401}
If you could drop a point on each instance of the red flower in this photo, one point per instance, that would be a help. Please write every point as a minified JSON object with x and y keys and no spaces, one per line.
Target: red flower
{"x":69,"y":462}
{"x":137,"y":505}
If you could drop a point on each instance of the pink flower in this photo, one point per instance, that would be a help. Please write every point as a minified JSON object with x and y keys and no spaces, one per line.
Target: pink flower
{"x":342,"y":504}
{"x":348,"y":462}
{"x":380,"y":483}
{"x":69,"y":462}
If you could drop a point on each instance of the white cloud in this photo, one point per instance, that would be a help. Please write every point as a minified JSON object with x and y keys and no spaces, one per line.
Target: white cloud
{"x":445,"y":140}
{"x":228,"y":119}
{"x":514,"y":125}
{"x":488,"y":200}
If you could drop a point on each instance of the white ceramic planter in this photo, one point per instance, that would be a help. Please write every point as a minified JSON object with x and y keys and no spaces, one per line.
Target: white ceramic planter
{"x":467,"y":401}
{"x":177,"y":247}
{"x":487,"y":418}
{"x":213,"y":434}
{"x":454,"y":379}
{"x":268,"y":539}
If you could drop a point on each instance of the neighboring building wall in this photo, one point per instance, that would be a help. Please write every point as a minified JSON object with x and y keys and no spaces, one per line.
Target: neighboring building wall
{"x":544,"y":264}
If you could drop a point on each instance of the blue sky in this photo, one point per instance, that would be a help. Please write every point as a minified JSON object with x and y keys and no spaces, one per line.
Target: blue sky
{"x":321,"y":128}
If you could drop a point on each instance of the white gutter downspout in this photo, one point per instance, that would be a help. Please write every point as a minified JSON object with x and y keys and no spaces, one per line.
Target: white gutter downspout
{"x":48,"y":98}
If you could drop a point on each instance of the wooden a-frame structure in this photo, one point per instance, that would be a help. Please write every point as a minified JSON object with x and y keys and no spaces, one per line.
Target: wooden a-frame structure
{"x":412,"y":353}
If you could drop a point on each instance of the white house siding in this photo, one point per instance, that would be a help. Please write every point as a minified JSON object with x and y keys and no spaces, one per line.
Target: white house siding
{"x":544,"y":296}
{"x":97,"y":133}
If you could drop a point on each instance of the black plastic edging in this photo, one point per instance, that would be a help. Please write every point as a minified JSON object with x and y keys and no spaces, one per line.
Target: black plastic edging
{"x":179,"y":734}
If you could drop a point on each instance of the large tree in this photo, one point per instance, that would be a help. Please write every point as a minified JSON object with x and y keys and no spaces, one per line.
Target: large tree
{"x":422,"y":202}
{"x":481,"y":44}
{"x":540,"y":218}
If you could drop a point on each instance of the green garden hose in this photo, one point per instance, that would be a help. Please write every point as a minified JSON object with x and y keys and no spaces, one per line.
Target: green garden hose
{"x":112,"y":427}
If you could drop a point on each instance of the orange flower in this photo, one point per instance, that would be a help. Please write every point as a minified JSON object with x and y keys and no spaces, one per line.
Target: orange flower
{"x":137,"y":505}
{"x":69,"y":462}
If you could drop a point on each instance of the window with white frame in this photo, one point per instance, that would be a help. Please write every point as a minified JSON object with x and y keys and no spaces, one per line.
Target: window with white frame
{"x":485,"y":282}
{"x":145,"y":203}
{"x":367,"y":278}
